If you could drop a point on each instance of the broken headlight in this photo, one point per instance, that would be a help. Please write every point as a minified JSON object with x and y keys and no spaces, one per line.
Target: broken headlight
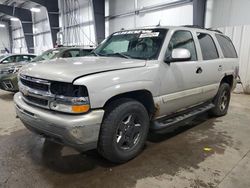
{"x":69,"y":98}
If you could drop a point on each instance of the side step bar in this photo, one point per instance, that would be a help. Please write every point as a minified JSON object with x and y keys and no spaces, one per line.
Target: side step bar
{"x":163,"y":124}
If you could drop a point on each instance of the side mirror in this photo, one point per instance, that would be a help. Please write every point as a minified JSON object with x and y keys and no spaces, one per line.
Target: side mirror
{"x":179,"y":54}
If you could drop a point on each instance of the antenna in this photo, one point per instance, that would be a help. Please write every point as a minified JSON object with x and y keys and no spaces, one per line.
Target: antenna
{"x":159,"y":24}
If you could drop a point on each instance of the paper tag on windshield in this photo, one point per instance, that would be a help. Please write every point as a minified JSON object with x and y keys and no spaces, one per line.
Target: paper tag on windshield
{"x":148,"y":35}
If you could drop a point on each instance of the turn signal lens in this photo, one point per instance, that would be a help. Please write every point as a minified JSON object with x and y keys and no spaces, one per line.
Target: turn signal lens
{"x":80,"y":108}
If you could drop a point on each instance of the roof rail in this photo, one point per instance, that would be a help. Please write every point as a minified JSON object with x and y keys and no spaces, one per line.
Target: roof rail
{"x":216,"y":30}
{"x":194,"y":26}
{"x":199,"y":27}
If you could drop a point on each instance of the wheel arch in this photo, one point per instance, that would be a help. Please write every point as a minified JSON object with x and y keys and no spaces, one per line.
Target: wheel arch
{"x":228,"y":79}
{"x":143,"y":96}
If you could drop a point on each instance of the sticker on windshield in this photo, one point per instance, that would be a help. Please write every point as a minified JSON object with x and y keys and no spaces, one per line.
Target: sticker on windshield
{"x":148,"y":35}
{"x":133,"y":32}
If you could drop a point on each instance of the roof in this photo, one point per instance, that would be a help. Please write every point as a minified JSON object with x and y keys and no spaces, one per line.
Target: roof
{"x":189,"y":27}
{"x":72,"y":47}
{"x":19,"y":54}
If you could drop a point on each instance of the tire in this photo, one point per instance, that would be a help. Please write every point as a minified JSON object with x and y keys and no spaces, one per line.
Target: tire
{"x":124,"y":130}
{"x":221,"y":101}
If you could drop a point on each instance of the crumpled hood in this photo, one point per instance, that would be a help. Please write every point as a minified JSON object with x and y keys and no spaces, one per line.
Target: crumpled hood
{"x":66,"y":70}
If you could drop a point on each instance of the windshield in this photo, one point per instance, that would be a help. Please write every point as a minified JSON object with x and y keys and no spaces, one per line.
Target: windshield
{"x":138,"y":44}
{"x":3,"y":56}
{"x":47,"y":55}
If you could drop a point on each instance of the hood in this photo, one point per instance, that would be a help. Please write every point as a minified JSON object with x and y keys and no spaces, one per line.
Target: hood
{"x":11,"y":65}
{"x":66,"y":70}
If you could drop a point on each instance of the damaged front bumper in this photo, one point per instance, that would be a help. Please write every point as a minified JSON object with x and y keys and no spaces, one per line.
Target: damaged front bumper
{"x":78,"y":131}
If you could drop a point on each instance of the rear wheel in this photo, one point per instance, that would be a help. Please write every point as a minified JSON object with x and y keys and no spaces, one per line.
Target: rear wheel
{"x":124,"y":130}
{"x":221,"y":100}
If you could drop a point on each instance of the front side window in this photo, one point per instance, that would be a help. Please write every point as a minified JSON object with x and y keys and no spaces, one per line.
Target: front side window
{"x":227,"y":46}
{"x":85,"y":52}
{"x":208,"y":48}
{"x":182,"y":39}
{"x":138,"y":44}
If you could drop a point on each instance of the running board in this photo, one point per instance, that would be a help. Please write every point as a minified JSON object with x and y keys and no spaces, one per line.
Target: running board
{"x":163,"y":124}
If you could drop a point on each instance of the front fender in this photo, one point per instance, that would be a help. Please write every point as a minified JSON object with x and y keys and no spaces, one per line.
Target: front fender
{"x":103,"y":86}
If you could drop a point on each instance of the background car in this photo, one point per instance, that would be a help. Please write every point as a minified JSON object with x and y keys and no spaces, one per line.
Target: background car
{"x":8,"y":75}
{"x":9,"y":65}
{"x":63,"y":52}
{"x":14,"y":59}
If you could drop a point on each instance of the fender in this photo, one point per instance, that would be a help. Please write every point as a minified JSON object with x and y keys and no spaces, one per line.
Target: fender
{"x":105,"y":85}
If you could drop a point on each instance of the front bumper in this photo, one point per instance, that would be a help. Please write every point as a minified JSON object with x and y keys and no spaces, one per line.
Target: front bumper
{"x":9,"y":82}
{"x":78,"y":131}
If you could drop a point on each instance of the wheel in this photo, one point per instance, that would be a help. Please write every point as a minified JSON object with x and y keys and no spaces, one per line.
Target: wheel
{"x":124,"y":130}
{"x":221,"y":101}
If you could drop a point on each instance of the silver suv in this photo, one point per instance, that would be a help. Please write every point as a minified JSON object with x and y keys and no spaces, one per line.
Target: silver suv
{"x":136,"y":81}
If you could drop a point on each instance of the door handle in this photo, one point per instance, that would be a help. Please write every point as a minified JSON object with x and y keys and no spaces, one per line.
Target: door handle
{"x":199,"y":70}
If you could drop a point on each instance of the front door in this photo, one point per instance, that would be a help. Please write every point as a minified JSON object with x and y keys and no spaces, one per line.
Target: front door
{"x":180,"y":86}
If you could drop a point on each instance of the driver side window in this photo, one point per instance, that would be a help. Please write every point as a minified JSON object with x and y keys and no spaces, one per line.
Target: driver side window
{"x":182,"y":39}
{"x":117,"y":47}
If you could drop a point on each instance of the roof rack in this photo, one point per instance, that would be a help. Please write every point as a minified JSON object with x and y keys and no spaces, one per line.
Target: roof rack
{"x":216,"y":30}
{"x":194,"y":26}
{"x":199,"y":27}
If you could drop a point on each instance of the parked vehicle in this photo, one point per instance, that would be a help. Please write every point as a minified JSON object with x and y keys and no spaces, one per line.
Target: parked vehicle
{"x":63,"y":52}
{"x":140,"y":80}
{"x":9,"y":65}
{"x":8,"y":75}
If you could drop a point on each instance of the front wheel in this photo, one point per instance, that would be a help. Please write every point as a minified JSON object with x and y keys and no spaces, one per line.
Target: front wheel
{"x":221,"y":101}
{"x":124,"y":130}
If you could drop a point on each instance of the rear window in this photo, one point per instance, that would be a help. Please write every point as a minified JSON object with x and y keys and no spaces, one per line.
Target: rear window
{"x":227,"y":46}
{"x":208,"y":48}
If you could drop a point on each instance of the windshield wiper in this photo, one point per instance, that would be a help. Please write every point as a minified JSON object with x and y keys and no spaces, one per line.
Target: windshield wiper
{"x":120,"y":54}
{"x":94,"y":53}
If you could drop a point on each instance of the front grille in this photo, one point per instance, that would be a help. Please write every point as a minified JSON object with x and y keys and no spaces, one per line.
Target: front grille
{"x":35,"y":85}
{"x":38,"y":101}
{"x":8,"y":85}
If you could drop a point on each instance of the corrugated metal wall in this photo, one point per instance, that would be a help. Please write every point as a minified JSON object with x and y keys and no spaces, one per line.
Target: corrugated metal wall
{"x":42,"y":32}
{"x":77,"y":23}
{"x":178,"y":15}
{"x":233,"y":18}
{"x":240,"y":36}
{"x":4,"y":39}
{"x":18,"y":40}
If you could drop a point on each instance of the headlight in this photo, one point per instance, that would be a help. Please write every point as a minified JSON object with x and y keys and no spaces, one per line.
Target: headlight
{"x":11,"y":70}
{"x":69,"y":98}
{"x":16,"y":70}
{"x":71,"y":105}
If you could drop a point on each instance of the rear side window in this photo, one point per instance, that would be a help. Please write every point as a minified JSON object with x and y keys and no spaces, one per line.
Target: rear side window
{"x":182,"y":39}
{"x":208,"y":48}
{"x":227,"y":46}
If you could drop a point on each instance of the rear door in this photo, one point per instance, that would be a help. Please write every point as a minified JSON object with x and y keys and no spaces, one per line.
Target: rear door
{"x":211,"y":65}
